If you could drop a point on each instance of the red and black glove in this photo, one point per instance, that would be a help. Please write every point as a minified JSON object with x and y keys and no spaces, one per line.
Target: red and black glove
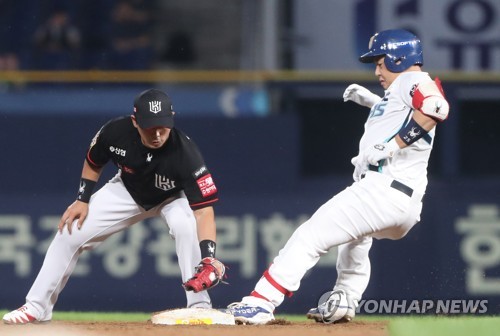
{"x":209,"y":273}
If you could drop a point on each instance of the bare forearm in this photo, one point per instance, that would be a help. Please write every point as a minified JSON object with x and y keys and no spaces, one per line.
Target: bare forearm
{"x":90,"y":173}
{"x":205,"y":221}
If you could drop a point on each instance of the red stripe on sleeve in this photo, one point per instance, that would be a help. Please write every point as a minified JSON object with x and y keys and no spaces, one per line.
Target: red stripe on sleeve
{"x":203,"y":204}
{"x":89,"y":160}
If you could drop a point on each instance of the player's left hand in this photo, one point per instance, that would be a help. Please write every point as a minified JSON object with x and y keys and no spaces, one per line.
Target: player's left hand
{"x":76,"y":211}
{"x":360,"y":95}
{"x":209,"y":273}
{"x":381,"y":151}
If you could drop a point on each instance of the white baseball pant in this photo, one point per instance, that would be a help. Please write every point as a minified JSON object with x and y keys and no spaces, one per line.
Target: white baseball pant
{"x":368,"y":208}
{"x":112,"y":209}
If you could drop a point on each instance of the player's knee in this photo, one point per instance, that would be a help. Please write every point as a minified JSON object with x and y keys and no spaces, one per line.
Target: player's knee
{"x":398,"y":232}
{"x":182,"y":226}
{"x":393,"y":233}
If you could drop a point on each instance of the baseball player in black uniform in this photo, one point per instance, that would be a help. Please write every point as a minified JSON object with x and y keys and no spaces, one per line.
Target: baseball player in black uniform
{"x":161,"y":174}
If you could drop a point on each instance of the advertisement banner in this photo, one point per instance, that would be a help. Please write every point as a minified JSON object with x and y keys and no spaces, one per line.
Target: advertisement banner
{"x":450,"y":255}
{"x":456,"y":34}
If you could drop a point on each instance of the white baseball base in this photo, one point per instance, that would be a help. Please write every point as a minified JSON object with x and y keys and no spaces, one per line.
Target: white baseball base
{"x":188,"y":316}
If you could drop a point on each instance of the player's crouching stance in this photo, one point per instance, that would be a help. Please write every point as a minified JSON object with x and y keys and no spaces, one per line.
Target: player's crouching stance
{"x":161,"y":174}
{"x":385,"y":200}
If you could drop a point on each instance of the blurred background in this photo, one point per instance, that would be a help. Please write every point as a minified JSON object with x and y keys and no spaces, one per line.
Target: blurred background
{"x":258,"y":85}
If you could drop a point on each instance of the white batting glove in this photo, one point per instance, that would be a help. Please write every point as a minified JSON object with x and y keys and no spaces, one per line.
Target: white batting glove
{"x":381,"y":151}
{"x":360,"y":167}
{"x":361,"y":95}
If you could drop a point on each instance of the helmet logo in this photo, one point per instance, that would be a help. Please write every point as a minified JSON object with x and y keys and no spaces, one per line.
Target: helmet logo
{"x":395,"y":45}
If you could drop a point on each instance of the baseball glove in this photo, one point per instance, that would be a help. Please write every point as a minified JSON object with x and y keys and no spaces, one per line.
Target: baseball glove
{"x":209,"y":273}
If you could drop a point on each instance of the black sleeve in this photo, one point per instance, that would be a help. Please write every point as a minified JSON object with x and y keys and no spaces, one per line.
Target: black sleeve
{"x":97,"y":154}
{"x":198,"y":184}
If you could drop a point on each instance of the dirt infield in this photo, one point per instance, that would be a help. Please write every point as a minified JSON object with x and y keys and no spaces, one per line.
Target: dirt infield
{"x":281,"y":328}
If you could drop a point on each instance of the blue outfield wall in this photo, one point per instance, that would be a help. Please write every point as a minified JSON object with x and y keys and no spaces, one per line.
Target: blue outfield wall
{"x":454,"y":253}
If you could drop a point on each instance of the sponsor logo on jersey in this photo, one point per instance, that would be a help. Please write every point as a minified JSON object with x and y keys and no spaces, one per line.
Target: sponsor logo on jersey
{"x":117,"y":151}
{"x":206,"y":185}
{"x":155,"y":106}
{"x":163,"y":183}
{"x":200,"y":171}
{"x":149,"y":157}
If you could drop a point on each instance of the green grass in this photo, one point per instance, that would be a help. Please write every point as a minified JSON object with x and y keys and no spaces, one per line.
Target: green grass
{"x":97,"y":316}
{"x":445,"y":326}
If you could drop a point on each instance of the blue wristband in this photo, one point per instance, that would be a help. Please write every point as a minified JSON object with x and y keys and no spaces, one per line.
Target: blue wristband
{"x":411,"y":132}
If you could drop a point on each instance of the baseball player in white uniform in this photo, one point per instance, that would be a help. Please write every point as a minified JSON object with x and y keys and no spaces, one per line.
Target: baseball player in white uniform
{"x":385,"y":200}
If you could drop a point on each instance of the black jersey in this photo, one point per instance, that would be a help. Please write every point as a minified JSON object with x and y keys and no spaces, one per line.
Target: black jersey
{"x":153,"y":175}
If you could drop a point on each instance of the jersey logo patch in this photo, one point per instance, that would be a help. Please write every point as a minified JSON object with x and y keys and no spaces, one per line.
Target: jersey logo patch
{"x":200,"y":171}
{"x":206,"y":185}
{"x":163,"y":183}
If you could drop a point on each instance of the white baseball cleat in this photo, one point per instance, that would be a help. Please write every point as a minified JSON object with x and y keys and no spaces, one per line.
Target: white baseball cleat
{"x":21,"y":315}
{"x":245,"y":313}
{"x":315,"y":314}
{"x":252,"y":310}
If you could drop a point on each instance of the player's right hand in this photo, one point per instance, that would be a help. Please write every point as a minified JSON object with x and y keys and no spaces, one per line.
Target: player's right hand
{"x":374,"y":154}
{"x":76,"y":212}
{"x":361,"y":95}
{"x":360,"y":167}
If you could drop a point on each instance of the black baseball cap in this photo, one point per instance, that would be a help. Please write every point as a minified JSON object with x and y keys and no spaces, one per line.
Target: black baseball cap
{"x":153,"y":108}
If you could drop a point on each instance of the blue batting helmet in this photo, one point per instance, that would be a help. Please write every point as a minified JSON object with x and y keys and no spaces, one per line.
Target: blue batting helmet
{"x":401,"y":48}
